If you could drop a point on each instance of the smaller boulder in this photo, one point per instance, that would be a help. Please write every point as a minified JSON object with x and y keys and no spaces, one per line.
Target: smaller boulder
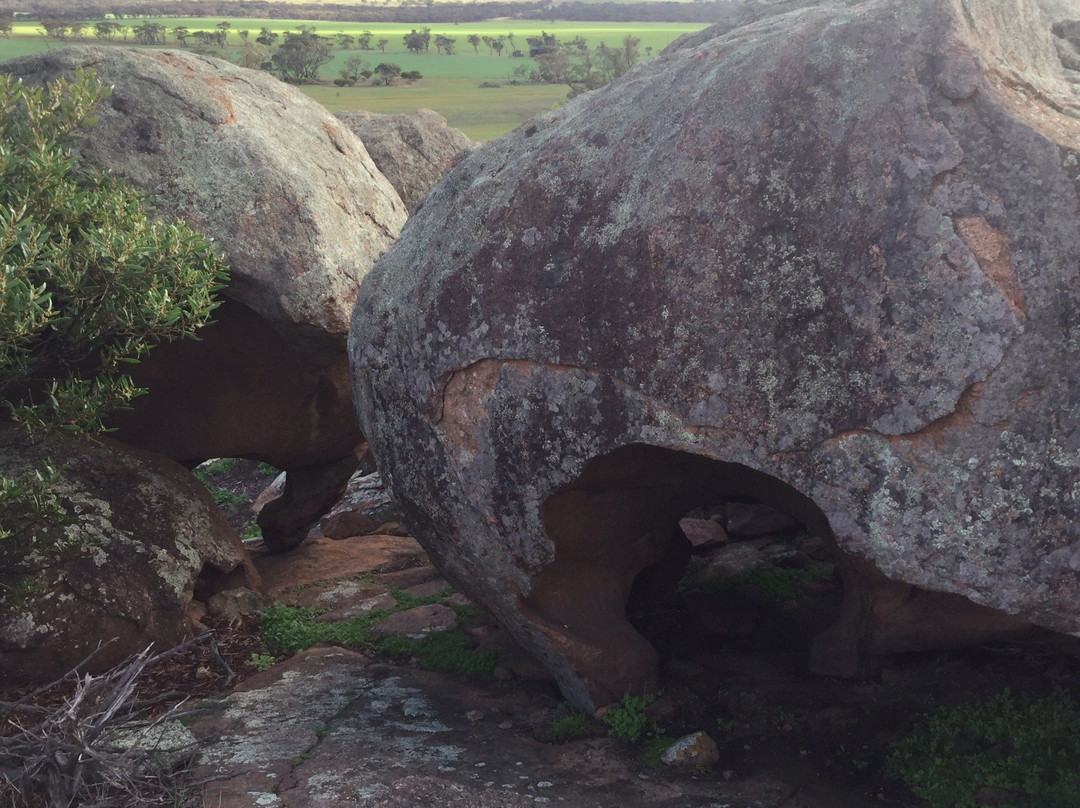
{"x":695,"y":749}
{"x":362,"y":508}
{"x":412,"y":151}
{"x":132,"y":538}
{"x":703,"y":532}
{"x":747,"y":520}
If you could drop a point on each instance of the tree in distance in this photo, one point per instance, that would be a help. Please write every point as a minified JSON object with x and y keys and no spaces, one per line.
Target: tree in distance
{"x":300,"y":56}
{"x":386,"y":73}
{"x":418,"y":41}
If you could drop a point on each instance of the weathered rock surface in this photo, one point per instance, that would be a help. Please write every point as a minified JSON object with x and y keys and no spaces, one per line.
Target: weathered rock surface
{"x":139,"y":538}
{"x":826,"y":261}
{"x":412,"y":151}
{"x":289,"y":736}
{"x":299,"y":210}
{"x":361,"y":509}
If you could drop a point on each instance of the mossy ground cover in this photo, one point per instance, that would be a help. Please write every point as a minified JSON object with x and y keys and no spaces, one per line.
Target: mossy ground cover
{"x":291,"y":629}
{"x":1009,"y":749}
{"x":451,"y":84}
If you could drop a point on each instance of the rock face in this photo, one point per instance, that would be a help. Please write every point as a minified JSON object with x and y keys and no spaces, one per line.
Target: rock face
{"x":139,"y":539}
{"x":412,"y":151}
{"x":300,"y":211}
{"x":826,"y":261}
{"x":362,"y":508}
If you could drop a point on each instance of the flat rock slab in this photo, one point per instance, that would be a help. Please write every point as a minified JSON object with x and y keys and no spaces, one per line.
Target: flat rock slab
{"x":323,"y":565}
{"x":328,"y":728}
{"x":416,"y":622}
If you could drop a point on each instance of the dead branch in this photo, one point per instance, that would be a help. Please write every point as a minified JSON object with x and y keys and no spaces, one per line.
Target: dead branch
{"x":100,"y":748}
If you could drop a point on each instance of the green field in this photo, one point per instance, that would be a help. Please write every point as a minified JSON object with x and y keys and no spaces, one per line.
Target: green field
{"x":451,"y":84}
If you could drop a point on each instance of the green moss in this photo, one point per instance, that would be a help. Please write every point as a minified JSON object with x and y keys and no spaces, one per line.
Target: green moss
{"x":446,"y":651}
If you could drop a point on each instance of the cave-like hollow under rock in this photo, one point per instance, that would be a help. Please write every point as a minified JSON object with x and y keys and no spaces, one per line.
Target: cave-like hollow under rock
{"x":615,"y":529}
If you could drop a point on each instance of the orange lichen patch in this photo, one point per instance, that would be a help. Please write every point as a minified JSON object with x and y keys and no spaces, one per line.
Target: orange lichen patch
{"x":461,"y":410}
{"x":991,"y":250}
{"x":222,"y":97}
{"x":960,"y":417}
{"x":931,"y":434}
{"x":334,"y":133}
{"x":1043,"y":109}
{"x":170,"y":59}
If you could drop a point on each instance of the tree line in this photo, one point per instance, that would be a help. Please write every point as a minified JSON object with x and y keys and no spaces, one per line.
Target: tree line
{"x":410,"y":11}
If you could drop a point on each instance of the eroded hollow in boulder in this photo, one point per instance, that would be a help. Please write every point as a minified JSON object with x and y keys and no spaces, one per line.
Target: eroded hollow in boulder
{"x":616,"y":529}
{"x":611,"y":600}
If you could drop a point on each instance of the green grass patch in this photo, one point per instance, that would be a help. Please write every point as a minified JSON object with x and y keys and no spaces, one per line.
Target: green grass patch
{"x":1016,"y":744}
{"x":652,"y":747}
{"x":569,"y":724}
{"x":215,"y":468}
{"x":291,"y":629}
{"x":776,"y":584}
{"x":446,"y":651}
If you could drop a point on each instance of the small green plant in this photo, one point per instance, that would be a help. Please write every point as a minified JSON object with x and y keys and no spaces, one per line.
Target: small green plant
{"x":262,"y":662}
{"x":215,"y":468}
{"x":322,"y":731}
{"x":28,"y":499}
{"x":569,"y":724}
{"x":251,"y":530}
{"x":654,"y":745}
{"x":627,"y":719}
{"x":301,"y":758}
{"x":291,"y":629}
{"x":1014,"y":743}
{"x":226,"y":499}
{"x":266,"y":470}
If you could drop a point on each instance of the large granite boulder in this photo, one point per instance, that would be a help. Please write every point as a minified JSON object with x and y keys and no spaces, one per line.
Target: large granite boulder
{"x":135,"y":538}
{"x":826,"y":261}
{"x":294,"y":202}
{"x":412,"y":151}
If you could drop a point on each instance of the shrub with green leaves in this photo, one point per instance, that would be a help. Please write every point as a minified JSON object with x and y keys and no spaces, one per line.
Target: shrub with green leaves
{"x":88,"y":280}
{"x":1013,"y":744}
{"x":627,"y":719}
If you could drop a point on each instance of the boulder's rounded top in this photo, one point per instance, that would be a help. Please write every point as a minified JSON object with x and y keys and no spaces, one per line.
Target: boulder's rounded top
{"x":413,"y":151}
{"x":288,"y":193}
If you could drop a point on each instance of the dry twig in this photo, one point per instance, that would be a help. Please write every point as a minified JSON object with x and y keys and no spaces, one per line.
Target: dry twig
{"x":98,"y":749}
